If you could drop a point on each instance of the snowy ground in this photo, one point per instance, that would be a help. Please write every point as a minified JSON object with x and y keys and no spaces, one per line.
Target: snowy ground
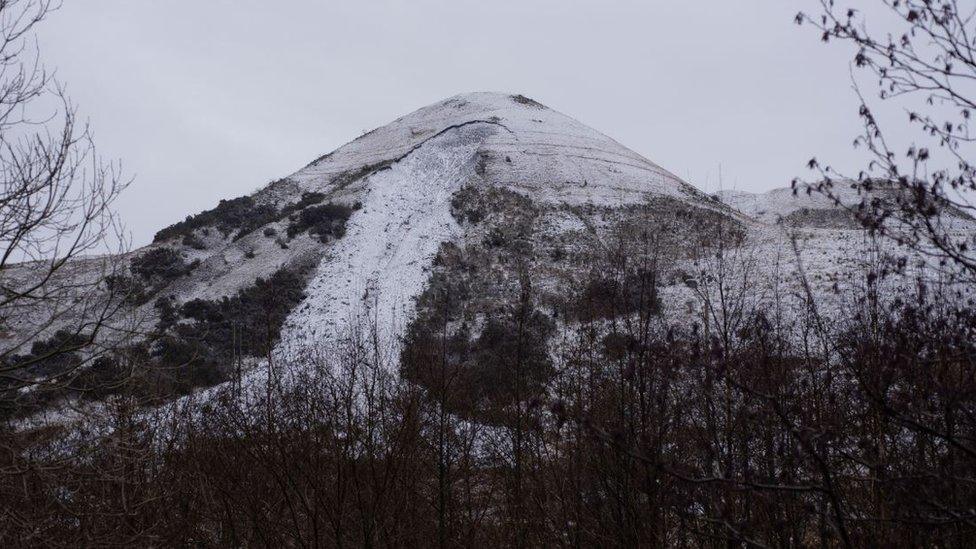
{"x":537,"y":150}
{"x":770,"y":206}
{"x":375,"y":272}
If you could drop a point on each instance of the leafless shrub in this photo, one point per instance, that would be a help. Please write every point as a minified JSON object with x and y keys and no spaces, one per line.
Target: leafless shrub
{"x":56,"y":200}
{"x":926,"y":62}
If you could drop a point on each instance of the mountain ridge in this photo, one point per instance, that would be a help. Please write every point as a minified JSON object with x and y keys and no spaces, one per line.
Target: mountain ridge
{"x":479,"y":195}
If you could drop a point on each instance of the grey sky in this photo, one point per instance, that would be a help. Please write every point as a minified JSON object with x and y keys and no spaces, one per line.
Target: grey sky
{"x":210,"y":99}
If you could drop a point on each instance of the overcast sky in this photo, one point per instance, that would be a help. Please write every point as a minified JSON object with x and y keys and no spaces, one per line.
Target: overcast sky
{"x":210,"y":99}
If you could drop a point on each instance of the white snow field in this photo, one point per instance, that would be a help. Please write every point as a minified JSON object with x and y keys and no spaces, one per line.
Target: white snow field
{"x":374,"y":272}
{"x":538,"y":150}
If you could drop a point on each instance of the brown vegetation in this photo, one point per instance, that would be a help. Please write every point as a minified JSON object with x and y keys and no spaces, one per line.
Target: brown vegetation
{"x":640,"y":433}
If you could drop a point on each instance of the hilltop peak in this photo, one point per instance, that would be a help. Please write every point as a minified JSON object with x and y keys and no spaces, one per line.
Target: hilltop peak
{"x":523,"y":145}
{"x":494,"y":98}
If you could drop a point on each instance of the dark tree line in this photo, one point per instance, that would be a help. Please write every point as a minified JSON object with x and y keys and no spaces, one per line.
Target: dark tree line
{"x":857,"y":432}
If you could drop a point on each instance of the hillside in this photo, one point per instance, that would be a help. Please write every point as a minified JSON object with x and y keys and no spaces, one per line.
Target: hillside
{"x":455,"y":214}
{"x":405,"y":185}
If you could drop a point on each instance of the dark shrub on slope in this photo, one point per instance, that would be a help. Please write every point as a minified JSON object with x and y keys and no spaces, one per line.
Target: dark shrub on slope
{"x":244,"y":216}
{"x":105,"y":376}
{"x":325,"y":221}
{"x":57,"y":358}
{"x":606,"y":297}
{"x":203,"y":340}
{"x":262,"y":215}
{"x":193,"y":241}
{"x":57,"y":353}
{"x":151,"y":272}
{"x":161,"y":264}
{"x":227,"y":216}
{"x":241,"y":214}
{"x":259,"y":216}
{"x":507,"y":363}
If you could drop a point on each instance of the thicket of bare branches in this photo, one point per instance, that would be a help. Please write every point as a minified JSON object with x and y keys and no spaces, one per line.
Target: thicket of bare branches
{"x":924,"y":62}
{"x":739,"y":429}
{"x":58,"y":232}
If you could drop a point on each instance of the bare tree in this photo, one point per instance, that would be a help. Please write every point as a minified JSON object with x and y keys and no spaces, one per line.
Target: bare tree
{"x":56,"y":198}
{"x":926,"y":63}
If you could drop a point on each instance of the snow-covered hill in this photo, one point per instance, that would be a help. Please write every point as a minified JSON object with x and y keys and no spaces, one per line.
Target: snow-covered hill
{"x":806,"y":207}
{"x":481,"y":195}
{"x":529,"y":148}
{"x":411,"y":169}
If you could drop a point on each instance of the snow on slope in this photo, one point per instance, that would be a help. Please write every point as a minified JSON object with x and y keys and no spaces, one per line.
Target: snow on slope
{"x":537,"y":150}
{"x":413,"y":166}
{"x":770,"y":206}
{"x":376,"y":270}
{"x":405,"y":174}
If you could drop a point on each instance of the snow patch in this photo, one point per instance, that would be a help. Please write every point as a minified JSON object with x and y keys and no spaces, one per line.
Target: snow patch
{"x":540,"y":152}
{"x":376,"y":271}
